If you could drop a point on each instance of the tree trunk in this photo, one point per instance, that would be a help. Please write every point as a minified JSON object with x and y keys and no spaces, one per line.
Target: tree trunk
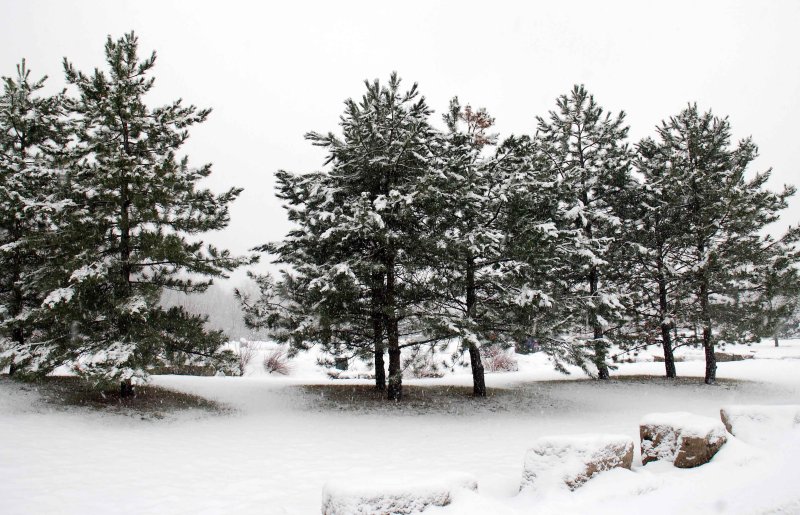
{"x":377,"y":341}
{"x":126,"y":389}
{"x":395,"y":388}
{"x":776,"y":340}
{"x":478,"y":377}
{"x":708,"y":343}
{"x":378,"y":301}
{"x":599,"y":346}
{"x":12,"y":367}
{"x":666,"y":335}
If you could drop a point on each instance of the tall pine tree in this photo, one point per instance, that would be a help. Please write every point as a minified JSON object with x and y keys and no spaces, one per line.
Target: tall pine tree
{"x":724,"y":214}
{"x":582,"y":150}
{"x":32,"y":135}
{"x":137,"y":209}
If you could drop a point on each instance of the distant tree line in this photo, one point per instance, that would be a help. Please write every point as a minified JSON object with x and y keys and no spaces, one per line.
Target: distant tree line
{"x":419,"y":235}
{"x":414,"y":233}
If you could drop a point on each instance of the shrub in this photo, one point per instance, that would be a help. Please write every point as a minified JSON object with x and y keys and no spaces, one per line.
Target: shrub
{"x":277,"y":362}
{"x":244,"y":355}
{"x":497,"y":359}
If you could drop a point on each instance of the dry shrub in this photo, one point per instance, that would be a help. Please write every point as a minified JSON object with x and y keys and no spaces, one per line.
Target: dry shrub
{"x":244,"y":355}
{"x":277,"y":362}
{"x":497,"y":359}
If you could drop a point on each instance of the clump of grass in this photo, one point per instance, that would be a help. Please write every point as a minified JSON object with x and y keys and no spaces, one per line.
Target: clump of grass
{"x":277,"y":362}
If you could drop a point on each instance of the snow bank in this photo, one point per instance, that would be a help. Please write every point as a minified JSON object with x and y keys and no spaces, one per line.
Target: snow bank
{"x":759,"y":423}
{"x":558,"y":461}
{"x":685,"y":439}
{"x":391,"y":496}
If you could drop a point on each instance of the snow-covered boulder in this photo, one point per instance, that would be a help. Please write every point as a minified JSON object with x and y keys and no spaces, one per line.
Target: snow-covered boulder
{"x":758,"y":424}
{"x":387,"y":496}
{"x":685,"y":439}
{"x":573,"y":460}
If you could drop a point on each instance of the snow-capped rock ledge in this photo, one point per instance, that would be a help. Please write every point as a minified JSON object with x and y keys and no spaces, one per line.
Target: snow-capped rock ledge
{"x":760,"y":423}
{"x":572,"y":460}
{"x":685,"y":439}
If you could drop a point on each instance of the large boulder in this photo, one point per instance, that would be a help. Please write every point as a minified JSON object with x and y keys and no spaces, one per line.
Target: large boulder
{"x":685,"y":439}
{"x":572,"y":460}
{"x":759,"y":423}
{"x":392,"y":496}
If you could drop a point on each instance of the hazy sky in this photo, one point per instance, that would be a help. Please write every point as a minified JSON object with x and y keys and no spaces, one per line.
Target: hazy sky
{"x":273,"y":72}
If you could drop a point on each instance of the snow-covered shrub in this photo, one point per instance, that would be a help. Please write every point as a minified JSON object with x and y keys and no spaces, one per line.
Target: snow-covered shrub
{"x":497,"y":359}
{"x":277,"y":362}
{"x":392,"y":496}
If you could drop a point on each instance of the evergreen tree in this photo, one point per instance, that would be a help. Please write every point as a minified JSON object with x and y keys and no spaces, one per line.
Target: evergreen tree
{"x":137,"y":209}
{"x":776,"y":287}
{"x":723,"y":216}
{"x":656,"y":251}
{"x":581,"y":149}
{"x":31,"y":136}
{"x":353,"y":278}
{"x":477,"y":283}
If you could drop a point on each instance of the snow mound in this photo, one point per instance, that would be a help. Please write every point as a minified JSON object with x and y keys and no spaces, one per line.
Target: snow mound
{"x":685,"y":439}
{"x":760,"y":424}
{"x":558,"y":461}
{"x":391,"y":496}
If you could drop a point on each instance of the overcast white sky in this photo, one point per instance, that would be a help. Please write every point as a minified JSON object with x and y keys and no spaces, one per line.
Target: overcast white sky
{"x":273,"y":72}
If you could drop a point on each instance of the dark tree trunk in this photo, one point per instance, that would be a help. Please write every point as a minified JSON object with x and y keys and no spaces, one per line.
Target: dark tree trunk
{"x":380,"y":365}
{"x":776,"y":340}
{"x":126,"y":389}
{"x":478,"y":377}
{"x":377,"y":339}
{"x":666,"y":335}
{"x":12,"y":368}
{"x":378,"y":301}
{"x":708,"y":343}
{"x":599,"y":346}
{"x":395,"y":388}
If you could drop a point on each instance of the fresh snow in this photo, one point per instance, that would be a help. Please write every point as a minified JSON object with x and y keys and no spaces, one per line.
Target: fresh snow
{"x":279,"y":445}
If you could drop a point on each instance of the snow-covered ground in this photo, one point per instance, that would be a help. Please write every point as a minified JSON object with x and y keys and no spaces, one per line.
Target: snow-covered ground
{"x":281,"y":443}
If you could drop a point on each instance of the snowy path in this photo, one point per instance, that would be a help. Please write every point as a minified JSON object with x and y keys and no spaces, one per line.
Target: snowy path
{"x":274,"y":453}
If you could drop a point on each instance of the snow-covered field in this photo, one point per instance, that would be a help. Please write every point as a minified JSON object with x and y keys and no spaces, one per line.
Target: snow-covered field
{"x":281,"y":443}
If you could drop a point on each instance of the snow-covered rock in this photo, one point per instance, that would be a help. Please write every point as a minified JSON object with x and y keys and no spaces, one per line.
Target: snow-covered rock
{"x":758,"y":423}
{"x":572,"y":460}
{"x":391,"y":495}
{"x":685,"y":439}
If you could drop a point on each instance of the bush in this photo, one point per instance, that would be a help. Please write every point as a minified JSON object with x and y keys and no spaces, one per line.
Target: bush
{"x":244,"y":355}
{"x":497,"y":359}
{"x":277,"y":362}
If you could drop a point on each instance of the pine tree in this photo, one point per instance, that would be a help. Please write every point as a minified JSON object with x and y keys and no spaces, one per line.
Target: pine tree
{"x":474,"y":280}
{"x":655,"y":237}
{"x":723,"y":216}
{"x":132,"y":231}
{"x":775,"y":286}
{"x":31,"y":136}
{"x":352,"y":279}
{"x":581,"y":150}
